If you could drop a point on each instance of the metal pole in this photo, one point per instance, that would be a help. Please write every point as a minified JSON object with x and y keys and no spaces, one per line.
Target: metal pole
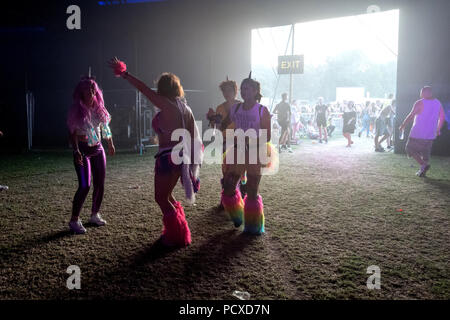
{"x":278,"y":77}
{"x":29,"y":97}
{"x":290,"y":75}
{"x":138,"y":130}
{"x":139,"y":100}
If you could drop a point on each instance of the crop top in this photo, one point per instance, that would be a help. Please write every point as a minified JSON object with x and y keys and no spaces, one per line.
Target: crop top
{"x":92,"y":131}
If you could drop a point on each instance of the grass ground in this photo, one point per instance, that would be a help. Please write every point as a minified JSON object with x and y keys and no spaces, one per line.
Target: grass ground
{"x":331,"y":212}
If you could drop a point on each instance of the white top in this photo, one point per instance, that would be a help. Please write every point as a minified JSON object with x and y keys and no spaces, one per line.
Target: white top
{"x":92,"y":131}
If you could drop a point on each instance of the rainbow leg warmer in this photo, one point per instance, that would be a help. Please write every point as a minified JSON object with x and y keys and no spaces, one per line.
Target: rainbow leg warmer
{"x":234,"y":205}
{"x":176,"y":230}
{"x":254,"y":215}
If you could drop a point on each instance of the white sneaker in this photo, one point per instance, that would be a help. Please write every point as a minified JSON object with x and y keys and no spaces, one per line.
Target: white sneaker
{"x":97,"y":220}
{"x":290,"y":150}
{"x":3,"y":188}
{"x":77,"y":227}
{"x":423,"y":170}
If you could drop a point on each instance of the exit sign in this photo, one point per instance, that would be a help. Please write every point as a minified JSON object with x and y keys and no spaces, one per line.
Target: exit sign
{"x":290,"y":64}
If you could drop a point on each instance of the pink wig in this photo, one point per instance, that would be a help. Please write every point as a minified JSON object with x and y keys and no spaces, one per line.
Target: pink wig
{"x":80,"y":115}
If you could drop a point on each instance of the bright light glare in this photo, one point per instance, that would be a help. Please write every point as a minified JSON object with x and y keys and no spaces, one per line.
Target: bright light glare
{"x":375,"y":34}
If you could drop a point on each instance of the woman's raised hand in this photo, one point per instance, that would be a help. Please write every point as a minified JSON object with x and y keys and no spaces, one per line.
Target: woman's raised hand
{"x":119,"y":67}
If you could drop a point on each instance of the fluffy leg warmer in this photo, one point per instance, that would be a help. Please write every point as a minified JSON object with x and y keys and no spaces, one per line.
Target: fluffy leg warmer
{"x":234,"y":205}
{"x":254,"y":215}
{"x":176,"y":230}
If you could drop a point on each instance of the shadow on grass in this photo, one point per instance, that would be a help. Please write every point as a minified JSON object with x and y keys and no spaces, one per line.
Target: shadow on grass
{"x":222,"y":243}
{"x":53,"y":236}
{"x":88,"y":225}
{"x":216,"y":256}
{"x":33,"y":243}
{"x":217,"y":209}
{"x":150,"y":254}
{"x":158,"y":270}
{"x":443,"y":185}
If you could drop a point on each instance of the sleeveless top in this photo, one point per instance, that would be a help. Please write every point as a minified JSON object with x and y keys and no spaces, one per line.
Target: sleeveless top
{"x":425,"y":123}
{"x":247,"y":119}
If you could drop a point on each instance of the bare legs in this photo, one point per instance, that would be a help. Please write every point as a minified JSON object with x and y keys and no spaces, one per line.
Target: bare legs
{"x":325,"y":133}
{"x":378,"y":143}
{"x":176,"y":231}
{"x":349,"y":139}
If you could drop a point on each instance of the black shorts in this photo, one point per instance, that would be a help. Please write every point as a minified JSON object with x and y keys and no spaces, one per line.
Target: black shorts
{"x":380,"y":128}
{"x":164,"y":163}
{"x":350,"y":128}
{"x":321,"y":122}
{"x":284,"y":124}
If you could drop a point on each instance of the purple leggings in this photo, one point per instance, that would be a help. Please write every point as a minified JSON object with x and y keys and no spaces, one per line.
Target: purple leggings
{"x":94,"y":161}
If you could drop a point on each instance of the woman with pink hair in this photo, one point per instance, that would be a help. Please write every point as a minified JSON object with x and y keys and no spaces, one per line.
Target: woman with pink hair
{"x":88,"y":120}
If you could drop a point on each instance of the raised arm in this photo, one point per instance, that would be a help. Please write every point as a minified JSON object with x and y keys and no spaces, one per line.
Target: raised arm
{"x":119,"y":69}
{"x":158,"y":100}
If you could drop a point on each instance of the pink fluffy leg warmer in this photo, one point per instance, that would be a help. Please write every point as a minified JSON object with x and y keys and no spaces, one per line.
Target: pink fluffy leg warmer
{"x":176,"y":230}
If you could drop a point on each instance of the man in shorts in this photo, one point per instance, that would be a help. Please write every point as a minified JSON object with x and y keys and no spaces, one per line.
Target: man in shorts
{"x":283,"y":112}
{"x":381,"y":128}
{"x":321,"y":116}
{"x":429,"y":117}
